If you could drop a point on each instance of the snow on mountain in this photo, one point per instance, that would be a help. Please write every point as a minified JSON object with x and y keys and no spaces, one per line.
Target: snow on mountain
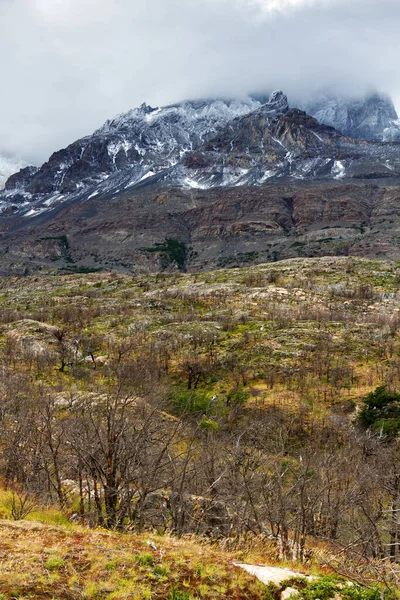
{"x":266,"y":147}
{"x":8,"y":166}
{"x":213,"y":143}
{"x":134,"y":145}
{"x":373,"y":118}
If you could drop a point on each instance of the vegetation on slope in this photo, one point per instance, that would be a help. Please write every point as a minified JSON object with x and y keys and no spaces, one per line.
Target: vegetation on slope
{"x":221,"y":404}
{"x":39,"y":561}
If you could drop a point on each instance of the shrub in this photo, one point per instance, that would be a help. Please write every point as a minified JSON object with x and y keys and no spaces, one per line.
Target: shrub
{"x":54,"y":563}
{"x":176,"y":595}
{"x":381,"y":412}
{"x":145,"y":560}
{"x":208,"y":424}
{"x":190,"y":402}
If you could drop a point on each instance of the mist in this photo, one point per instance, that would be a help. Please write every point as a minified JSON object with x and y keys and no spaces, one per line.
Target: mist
{"x":68,"y":65}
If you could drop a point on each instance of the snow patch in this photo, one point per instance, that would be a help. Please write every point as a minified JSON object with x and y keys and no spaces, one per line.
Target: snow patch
{"x":338,"y":170}
{"x":193,"y":184}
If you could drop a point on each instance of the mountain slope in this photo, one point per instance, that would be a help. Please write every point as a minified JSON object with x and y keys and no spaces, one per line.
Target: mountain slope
{"x":141,"y":142}
{"x":156,"y":228}
{"x":194,"y":145}
{"x":202,"y":144}
{"x":261,"y":147}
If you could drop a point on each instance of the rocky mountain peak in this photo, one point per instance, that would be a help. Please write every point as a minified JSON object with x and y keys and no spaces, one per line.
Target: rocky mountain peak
{"x":8,"y":166}
{"x":277,"y":104}
{"x":212,"y":143}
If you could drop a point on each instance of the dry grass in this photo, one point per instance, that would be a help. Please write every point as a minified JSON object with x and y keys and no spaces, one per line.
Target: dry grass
{"x":39,"y":561}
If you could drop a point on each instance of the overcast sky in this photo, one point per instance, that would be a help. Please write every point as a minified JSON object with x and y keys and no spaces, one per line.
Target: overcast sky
{"x":68,"y":65}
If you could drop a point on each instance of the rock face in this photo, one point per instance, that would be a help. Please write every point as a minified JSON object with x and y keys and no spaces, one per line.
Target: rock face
{"x":266,"y":147}
{"x":143,"y":142}
{"x":373,"y":118}
{"x":206,"y":229}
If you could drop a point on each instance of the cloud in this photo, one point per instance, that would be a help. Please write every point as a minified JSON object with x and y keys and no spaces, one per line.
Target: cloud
{"x":269,"y":6}
{"x":68,"y":65}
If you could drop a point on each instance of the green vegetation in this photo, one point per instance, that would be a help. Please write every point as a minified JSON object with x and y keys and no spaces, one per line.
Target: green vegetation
{"x":171,"y":251}
{"x":381,"y":412}
{"x":105,"y":566}
{"x":54,"y":563}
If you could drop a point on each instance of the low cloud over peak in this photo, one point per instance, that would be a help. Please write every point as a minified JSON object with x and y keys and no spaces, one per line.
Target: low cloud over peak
{"x":68,"y":65}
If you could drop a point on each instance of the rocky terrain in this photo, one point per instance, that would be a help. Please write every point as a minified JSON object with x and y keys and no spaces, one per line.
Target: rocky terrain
{"x":206,"y":184}
{"x":234,"y":396}
{"x":205,"y":229}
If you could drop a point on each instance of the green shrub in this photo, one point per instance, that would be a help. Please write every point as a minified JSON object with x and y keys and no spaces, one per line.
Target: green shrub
{"x":381,"y":412}
{"x":171,"y":251}
{"x":145,"y":560}
{"x":237,"y":397}
{"x":208,"y":424}
{"x":176,"y":595}
{"x":190,"y":402}
{"x":54,"y":563}
{"x":323,"y":589}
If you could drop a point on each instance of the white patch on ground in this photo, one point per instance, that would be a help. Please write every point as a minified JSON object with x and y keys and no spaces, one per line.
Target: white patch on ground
{"x":193,"y":184}
{"x":113,"y":148}
{"x":338,"y":170}
{"x":155,"y":113}
{"x":147,"y":175}
{"x":278,"y":141}
{"x":34,"y":212}
{"x":53,"y":199}
{"x":234,"y":177}
{"x":267,"y":175}
{"x":270,"y":574}
{"x":290,"y":157}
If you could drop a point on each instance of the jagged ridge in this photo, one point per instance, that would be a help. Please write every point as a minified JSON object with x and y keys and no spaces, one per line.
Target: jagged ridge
{"x":200,"y":144}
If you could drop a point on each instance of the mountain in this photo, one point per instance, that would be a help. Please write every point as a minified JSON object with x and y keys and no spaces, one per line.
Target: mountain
{"x":137,"y":145}
{"x":201,"y":144}
{"x":263,"y":147}
{"x":373,"y":118}
{"x":201,"y":185}
{"x":8,"y":166}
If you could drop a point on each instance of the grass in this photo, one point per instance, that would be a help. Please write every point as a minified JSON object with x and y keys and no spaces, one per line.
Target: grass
{"x":39,"y":561}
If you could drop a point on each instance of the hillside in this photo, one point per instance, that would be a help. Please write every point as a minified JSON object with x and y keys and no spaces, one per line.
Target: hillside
{"x":220,"y":404}
{"x":39,"y":561}
{"x":206,"y":229}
